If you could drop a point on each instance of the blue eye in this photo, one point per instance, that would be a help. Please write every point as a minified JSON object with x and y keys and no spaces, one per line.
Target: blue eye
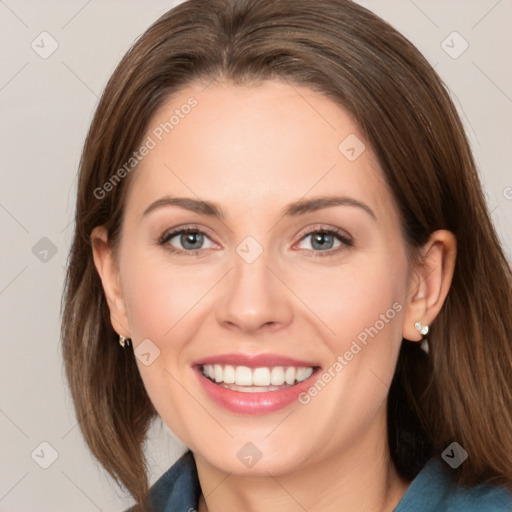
{"x":190,"y":240}
{"x":328,"y":241}
{"x":321,"y":240}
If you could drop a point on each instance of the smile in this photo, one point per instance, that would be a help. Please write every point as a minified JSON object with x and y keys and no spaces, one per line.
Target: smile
{"x":254,"y":384}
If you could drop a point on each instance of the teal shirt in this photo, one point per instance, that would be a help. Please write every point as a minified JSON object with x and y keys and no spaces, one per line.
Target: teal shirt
{"x":433,"y":491}
{"x":178,"y":490}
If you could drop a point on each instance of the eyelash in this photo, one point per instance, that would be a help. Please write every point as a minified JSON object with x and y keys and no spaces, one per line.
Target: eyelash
{"x":340,"y":235}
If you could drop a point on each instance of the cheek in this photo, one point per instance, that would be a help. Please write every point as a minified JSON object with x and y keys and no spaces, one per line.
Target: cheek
{"x":369,"y":309}
{"x":158,"y":297}
{"x":165,"y":304}
{"x":162,"y":306}
{"x":362,"y":308}
{"x":358,"y":300}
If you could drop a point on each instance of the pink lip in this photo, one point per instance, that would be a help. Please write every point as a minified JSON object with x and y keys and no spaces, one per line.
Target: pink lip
{"x":254,"y":360}
{"x":253,"y":403}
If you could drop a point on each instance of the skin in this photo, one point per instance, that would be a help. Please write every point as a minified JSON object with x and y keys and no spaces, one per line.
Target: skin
{"x":252,"y":150}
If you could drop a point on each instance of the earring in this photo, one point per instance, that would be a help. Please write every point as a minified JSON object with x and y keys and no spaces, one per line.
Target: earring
{"x":124,"y":342}
{"x":422,"y":329}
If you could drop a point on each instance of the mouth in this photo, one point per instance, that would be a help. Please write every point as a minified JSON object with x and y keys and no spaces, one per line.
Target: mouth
{"x":254,"y":385}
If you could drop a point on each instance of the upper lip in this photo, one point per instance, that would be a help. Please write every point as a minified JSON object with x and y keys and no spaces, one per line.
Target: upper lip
{"x":255,"y":360}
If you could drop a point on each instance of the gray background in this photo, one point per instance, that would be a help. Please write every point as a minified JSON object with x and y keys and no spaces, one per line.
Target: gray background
{"x":47,"y":105}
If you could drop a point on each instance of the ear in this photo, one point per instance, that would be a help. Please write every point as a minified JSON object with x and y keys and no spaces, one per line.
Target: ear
{"x":429,"y":282}
{"x":108,"y":270}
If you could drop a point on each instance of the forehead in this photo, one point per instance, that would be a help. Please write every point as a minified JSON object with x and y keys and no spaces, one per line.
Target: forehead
{"x":255,"y":146}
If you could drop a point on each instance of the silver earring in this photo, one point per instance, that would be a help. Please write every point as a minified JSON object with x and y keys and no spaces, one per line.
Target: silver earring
{"x":124,"y":342}
{"x":422,"y":329}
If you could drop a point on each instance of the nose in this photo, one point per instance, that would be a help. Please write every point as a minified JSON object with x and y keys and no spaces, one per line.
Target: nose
{"x":253,"y":298}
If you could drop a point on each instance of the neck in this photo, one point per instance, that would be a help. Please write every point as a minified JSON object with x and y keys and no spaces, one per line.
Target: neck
{"x":360,"y":479}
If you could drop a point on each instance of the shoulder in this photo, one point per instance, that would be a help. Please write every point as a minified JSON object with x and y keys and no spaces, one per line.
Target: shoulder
{"x":433,"y":490}
{"x":177,"y":489}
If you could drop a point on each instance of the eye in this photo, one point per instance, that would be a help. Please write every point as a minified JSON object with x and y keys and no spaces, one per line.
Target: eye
{"x":186,"y":241}
{"x":191,"y":241}
{"x":325,"y":240}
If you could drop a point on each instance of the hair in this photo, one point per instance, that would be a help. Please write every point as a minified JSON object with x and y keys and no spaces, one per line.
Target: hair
{"x":462,"y":389}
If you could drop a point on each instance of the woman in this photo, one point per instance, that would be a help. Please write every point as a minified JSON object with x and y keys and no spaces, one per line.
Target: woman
{"x":282,"y":249}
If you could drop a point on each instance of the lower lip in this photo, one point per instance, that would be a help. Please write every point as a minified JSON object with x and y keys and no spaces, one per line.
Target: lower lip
{"x":252,"y":403}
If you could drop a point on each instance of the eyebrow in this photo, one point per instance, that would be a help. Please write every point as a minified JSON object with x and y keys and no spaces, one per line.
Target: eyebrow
{"x":294,"y":209}
{"x":317,"y":203}
{"x":194,"y":205}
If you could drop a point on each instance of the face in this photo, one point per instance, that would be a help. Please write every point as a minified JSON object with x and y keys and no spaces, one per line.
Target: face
{"x":263,"y":276}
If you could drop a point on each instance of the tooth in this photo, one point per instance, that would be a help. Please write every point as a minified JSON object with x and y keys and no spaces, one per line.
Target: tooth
{"x":257,"y":377}
{"x":218,"y":372}
{"x":303,"y":373}
{"x":243,"y":376}
{"x":289,"y":375}
{"x":229,"y":374}
{"x":277,"y":376}
{"x":299,"y":374}
{"x":249,"y":389}
{"x":261,"y":377}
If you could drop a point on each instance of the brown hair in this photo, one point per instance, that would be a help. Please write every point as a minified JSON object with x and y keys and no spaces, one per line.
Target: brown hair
{"x":462,"y":390}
